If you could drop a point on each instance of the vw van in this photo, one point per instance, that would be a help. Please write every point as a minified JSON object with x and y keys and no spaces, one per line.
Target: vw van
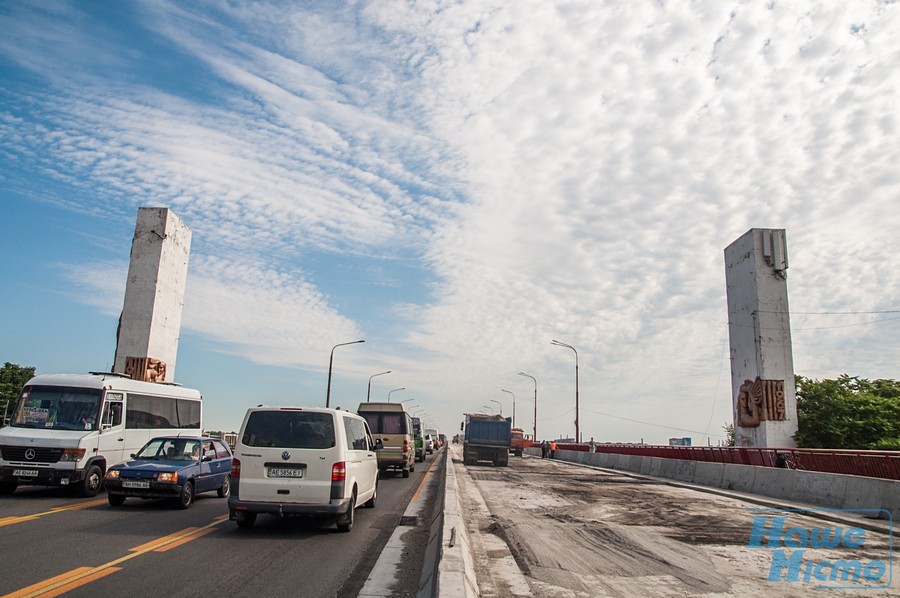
{"x":391,"y":424}
{"x":310,"y":461}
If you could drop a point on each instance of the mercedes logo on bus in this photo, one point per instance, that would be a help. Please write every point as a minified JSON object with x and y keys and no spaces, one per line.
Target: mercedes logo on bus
{"x":29,"y":454}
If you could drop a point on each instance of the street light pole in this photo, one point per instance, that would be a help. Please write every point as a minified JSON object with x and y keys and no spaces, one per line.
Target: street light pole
{"x":489,"y":407}
{"x":514,"y":405}
{"x":499,"y":403}
{"x":534,"y":431}
{"x":395,"y":390}
{"x":577,"y":428}
{"x":330,"y":363}
{"x":369,"y":390}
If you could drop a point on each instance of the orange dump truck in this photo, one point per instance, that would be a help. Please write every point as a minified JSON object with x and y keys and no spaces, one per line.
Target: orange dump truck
{"x":518,"y":442}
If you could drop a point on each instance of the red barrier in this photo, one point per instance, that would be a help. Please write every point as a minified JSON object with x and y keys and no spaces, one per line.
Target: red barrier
{"x":872,"y":464}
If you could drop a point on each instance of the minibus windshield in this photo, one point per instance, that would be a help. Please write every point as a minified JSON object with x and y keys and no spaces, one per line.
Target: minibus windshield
{"x":57,"y":408}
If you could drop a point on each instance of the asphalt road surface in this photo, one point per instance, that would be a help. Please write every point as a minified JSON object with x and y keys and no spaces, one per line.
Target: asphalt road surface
{"x":51,"y":541}
{"x":551,"y":529}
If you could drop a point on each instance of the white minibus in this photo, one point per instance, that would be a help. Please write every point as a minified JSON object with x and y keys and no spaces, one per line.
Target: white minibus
{"x":67,"y":429}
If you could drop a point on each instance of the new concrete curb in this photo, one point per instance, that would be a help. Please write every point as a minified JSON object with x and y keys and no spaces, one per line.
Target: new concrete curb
{"x":456,"y":572}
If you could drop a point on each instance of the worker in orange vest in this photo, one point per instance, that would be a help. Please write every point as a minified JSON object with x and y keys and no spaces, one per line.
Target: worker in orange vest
{"x":553,"y":449}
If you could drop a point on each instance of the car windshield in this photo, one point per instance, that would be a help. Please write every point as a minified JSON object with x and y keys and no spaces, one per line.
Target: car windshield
{"x":289,"y":429}
{"x":170,"y":449}
{"x":57,"y":408}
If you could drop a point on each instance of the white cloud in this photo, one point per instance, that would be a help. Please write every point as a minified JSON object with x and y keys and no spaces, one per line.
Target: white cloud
{"x":566,"y":170}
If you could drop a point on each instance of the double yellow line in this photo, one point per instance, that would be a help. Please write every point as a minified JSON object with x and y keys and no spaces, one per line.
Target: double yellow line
{"x":75,"y":578}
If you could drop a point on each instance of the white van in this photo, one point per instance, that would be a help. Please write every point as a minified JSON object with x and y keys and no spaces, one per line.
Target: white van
{"x":303,"y":461}
{"x":67,"y":429}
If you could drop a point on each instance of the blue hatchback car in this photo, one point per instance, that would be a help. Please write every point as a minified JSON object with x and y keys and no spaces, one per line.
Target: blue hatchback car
{"x":173,"y":467}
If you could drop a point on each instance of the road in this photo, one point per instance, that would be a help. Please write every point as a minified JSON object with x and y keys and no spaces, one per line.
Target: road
{"x":147,"y":548}
{"x":552,"y":529}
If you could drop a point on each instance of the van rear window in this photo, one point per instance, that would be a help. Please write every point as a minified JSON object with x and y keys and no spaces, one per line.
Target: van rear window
{"x":289,"y":429}
{"x":386,"y":423}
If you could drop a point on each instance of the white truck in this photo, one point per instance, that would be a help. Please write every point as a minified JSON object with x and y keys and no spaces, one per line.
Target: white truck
{"x":67,"y":429}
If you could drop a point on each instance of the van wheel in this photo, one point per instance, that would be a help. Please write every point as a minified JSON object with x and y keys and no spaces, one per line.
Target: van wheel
{"x":115,"y":500}
{"x":345,"y":521}
{"x":412,"y":467}
{"x":245,"y":520}
{"x":370,"y":504}
{"x":90,"y":486}
{"x":225,"y":488}
{"x":187,"y":495}
{"x":405,"y":473}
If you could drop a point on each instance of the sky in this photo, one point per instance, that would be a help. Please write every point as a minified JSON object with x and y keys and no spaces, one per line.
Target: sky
{"x":458,"y":183}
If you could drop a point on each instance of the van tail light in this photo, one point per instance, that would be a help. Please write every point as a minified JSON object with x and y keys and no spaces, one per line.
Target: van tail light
{"x":339,"y":472}
{"x":406,"y":446}
{"x":235,"y":469}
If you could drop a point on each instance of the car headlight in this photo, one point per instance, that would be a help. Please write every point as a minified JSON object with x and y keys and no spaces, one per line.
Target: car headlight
{"x":112,"y":474}
{"x":72,"y":455}
{"x":168,"y":477}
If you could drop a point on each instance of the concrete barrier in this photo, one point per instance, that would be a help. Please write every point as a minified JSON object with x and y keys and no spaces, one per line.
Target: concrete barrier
{"x":456,"y":572}
{"x":709,"y":474}
{"x":831,"y":490}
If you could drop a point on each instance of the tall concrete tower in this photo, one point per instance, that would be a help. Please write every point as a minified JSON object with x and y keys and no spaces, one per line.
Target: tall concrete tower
{"x":150,"y":325}
{"x":762,"y":363}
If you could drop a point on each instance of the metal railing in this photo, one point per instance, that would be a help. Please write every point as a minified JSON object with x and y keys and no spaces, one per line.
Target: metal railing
{"x":873,"y":464}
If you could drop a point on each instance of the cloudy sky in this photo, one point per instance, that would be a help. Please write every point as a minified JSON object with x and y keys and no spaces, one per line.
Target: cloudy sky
{"x":458,"y":183}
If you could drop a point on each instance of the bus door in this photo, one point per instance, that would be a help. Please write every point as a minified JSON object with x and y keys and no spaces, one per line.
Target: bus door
{"x":112,"y":429}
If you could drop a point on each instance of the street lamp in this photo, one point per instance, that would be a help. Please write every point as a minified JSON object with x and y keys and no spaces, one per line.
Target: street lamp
{"x":395,"y":390}
{"x":499,"y":403}
{"x":514,"y":405}
{"x":330,"y":362}
{"x":369,"y":391}
{"x":534,"y":431}
{"x":577,"y":429}
{"x":489,"y":407}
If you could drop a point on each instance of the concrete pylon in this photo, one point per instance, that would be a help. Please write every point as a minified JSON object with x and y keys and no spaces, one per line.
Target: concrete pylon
{"x":150,"y":324}
{"x":762,"y":363}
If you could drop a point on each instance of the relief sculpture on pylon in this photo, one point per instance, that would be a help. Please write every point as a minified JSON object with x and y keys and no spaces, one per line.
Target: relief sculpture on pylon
{"x":760,"y":400}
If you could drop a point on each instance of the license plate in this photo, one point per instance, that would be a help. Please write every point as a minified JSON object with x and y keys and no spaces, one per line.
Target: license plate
{"x":135,"y":484}
{"x":26,"y":473}
{"x":284,"y":472}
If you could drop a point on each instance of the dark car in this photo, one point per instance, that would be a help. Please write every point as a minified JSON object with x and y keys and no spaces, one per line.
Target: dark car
{"x":173,"y":467}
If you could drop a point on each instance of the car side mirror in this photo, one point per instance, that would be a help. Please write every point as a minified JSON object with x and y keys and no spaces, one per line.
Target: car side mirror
{"x":207,"y":458}
{"x":379,"y":444}
{"x":133,"y":455}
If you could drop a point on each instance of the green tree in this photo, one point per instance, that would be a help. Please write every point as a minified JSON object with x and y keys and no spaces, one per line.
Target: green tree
{"x":729,"y":434}
{"x":848,"y":413}
{"x":12,"y":378}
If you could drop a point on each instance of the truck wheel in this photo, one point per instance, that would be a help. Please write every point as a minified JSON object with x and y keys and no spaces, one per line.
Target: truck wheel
{"x":90,"y":486}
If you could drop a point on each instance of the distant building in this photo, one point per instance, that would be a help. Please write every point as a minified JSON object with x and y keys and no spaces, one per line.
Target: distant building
{"x":686,"y":441}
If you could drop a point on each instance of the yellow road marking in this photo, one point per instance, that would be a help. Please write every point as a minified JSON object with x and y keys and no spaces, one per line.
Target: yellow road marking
{"x":77,"y":577}
{"x":54,"y":510}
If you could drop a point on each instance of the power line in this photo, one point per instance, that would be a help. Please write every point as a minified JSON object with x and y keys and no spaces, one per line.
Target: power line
{"x":831,"y":313}
{"x":637,"y":421}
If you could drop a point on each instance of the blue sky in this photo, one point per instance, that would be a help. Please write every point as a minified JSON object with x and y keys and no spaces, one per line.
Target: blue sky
{"x":457,"y":183}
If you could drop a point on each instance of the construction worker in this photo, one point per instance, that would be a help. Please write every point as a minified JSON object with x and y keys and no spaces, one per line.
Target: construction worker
{"x":553,"y":449}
